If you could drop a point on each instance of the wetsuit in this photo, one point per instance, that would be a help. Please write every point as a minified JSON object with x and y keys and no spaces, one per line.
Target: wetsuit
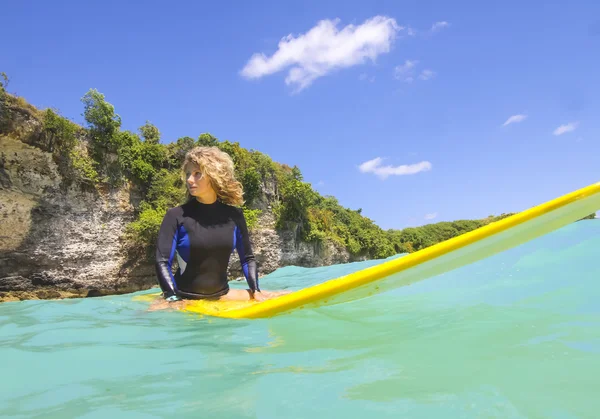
{"x":203,"y":237}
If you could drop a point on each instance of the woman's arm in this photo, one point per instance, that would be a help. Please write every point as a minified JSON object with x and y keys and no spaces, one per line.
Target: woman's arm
{"x":165,"y":251}
{"x":244,"y":249}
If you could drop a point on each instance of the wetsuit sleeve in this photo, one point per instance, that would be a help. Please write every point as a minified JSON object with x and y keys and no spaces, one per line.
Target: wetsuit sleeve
{"x":244,"y":249}
{"x":165,"y":252}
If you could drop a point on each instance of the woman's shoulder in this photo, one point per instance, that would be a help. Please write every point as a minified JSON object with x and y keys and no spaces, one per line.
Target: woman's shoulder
{"x":235,"y":211}
{"x":176,"y":211}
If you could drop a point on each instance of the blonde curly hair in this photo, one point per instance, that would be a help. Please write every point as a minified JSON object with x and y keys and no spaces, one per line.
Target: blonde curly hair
{"x":218,"y":167}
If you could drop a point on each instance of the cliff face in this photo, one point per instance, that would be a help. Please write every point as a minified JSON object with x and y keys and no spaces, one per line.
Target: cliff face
{"x":55,"y":238}
{"x":61,"y":238}
{"x":276,"y":248}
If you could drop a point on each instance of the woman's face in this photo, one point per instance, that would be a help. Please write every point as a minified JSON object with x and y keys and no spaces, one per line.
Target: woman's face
{"x":197,"y":183}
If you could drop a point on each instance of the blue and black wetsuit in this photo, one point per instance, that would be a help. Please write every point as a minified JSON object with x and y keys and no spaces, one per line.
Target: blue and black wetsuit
{"x":202,"y":237}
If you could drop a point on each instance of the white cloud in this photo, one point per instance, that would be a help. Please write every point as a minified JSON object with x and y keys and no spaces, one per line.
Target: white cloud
{"x":572,"y":126}
{"x":324,"y":49}
{"x":426,"y":74}
{"x":406,"y":72}
{"x":431,"y":216}
{"x":374,"y":166}
{"x":514,"y":119}
{"x":438,"y":26}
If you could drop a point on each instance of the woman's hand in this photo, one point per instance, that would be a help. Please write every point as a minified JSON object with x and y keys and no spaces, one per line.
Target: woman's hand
{"x":167,"y":305}
{"x":259,"y":296}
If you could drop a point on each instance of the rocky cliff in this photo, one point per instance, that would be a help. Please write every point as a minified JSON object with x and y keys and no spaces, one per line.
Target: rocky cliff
{"x":61,"y":237}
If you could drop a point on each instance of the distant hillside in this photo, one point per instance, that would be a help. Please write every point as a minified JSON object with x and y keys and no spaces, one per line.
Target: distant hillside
{"x":94,"y":196}
{"x":102,"y":155}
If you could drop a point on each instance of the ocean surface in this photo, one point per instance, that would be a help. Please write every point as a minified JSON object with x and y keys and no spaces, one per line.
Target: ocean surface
{"x":516,"y":335}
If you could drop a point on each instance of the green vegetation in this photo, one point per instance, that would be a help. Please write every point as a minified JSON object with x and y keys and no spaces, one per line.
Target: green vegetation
{"x":251,"y":216}
{"x":53,"y":133}
{"x":3,"y":84}
{"x":103,"y":154}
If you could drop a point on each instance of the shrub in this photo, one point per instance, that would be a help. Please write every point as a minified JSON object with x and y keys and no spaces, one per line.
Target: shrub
{"x":251,"y":216}
{"x":144,"y":230}
{"x":83,"y":166}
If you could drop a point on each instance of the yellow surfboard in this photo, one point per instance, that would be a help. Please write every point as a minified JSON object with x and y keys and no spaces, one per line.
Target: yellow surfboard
{"x":434,"y":260}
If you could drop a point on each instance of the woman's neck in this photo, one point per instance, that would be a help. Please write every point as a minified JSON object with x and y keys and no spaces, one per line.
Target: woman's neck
{"x":208,"y":198}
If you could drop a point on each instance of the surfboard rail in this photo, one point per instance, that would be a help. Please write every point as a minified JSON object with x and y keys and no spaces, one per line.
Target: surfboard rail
{"x":444,"y":256}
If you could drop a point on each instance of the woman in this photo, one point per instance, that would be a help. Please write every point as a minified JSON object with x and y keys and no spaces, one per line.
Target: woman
{"x":202,"y":234}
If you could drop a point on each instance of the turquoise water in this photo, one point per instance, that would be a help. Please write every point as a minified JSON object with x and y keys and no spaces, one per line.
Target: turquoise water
{"x":513,"y":336}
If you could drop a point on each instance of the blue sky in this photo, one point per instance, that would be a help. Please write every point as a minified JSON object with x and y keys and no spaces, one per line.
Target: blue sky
{"x":453,"y":110}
